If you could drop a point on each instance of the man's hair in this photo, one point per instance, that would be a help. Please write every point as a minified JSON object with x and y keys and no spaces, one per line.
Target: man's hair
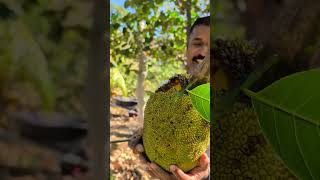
{"x":200,"y":21}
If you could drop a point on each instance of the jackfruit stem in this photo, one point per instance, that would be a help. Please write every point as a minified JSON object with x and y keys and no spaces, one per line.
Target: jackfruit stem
{"x":188,"y":86}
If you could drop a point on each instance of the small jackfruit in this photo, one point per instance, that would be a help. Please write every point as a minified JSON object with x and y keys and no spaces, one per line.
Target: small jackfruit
{"x":238,"y":57}
{"x":240,"y":150}
{"x":174,"y":132}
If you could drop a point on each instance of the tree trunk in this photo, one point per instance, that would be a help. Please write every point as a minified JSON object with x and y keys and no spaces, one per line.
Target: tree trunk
{"x":142,"y":73}
{"x":97,"y":95}
{"x":188,"y":14}
{"x":285,"y":26}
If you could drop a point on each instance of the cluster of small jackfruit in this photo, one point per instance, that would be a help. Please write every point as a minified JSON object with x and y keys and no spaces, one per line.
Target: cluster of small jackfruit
{"x":237,"y":56}
{"x":178,"y":81}
{"x":240,"y":150}
{"x":174,"y":132}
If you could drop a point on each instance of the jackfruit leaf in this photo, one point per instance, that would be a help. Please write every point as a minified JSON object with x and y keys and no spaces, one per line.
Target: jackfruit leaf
{"x":200,"y":98}
{"x":288,"y":113}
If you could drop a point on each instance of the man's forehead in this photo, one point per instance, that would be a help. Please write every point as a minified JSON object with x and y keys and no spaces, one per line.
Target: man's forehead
{"x":201,"y":32}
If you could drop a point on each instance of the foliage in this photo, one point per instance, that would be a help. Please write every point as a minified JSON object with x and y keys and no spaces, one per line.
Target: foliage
{"x":226,"y":19}
{"x":158,"y":30}
{"x":288,"y":115}
{"x":117,"y":80}
{"x":25,"y":60}
{"x":58,"y":40}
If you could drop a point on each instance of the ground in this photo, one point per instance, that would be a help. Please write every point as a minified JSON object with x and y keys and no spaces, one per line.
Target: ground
{"x":124,"y":164}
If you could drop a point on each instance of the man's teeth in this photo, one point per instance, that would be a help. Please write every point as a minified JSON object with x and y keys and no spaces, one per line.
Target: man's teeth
{"x":198,"y":60}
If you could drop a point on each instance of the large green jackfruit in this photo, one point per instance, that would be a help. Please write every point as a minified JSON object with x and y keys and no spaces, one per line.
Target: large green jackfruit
{"x":240,"y":150}
{"x":174,"y":132}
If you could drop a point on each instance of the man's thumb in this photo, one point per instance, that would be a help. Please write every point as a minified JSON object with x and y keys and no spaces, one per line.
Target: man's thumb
{"x":204,"y":160}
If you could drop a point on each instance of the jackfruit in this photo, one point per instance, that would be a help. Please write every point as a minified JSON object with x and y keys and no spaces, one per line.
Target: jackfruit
{"x":240,"y":150}
{"x":174,"y":132}
{"x":237,"y":57}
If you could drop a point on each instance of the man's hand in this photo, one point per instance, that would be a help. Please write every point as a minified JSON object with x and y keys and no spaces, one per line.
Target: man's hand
{"x":198,"y":173}
{"x":135,"y":144}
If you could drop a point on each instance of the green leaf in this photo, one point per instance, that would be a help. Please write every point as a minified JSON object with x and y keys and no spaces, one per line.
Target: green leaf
{"x":117,"y":80}
{"x":31,"y":61}
{"x":289,"y":116}
{"x":200,"y":97}
{"x":122,"y":11}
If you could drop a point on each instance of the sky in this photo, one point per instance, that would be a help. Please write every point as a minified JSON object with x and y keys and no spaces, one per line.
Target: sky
{"x":118,"y":2}
{"x":121,"y":4}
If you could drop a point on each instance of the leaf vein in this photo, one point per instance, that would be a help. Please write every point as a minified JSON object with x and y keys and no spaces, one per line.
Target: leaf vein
{"x":277,"y":133}
{"x":304,"y":103}
{"x":277,"y":106}
{"x":299,"y":146}
{"x":198,"y":95}
{"x":204,"y":109}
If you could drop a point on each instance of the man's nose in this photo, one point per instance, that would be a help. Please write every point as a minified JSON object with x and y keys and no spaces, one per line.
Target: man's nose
{"x":203,"y":51}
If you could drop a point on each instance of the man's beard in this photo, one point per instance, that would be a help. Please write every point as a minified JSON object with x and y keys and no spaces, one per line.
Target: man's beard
{"x":200,"y":68}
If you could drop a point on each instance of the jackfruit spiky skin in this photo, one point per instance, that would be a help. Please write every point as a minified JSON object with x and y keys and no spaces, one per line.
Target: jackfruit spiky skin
{"x":174,"y":132}
{"x":237,"y":56}
{"x":240,"y":150}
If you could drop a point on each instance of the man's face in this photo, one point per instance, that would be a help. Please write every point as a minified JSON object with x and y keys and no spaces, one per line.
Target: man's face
{"x":198,"y":47}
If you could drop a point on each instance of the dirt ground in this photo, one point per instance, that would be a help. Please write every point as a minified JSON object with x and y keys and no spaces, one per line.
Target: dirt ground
{"x":124,"y":164}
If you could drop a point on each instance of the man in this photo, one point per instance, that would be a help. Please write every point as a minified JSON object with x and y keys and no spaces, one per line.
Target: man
{"x":198,"y":52}
{"x":198,"y":48}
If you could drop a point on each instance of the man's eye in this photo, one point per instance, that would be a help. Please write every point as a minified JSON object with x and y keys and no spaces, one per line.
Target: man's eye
{"x":197,"y":44}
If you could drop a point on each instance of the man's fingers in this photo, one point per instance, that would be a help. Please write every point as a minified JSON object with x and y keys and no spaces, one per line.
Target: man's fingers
{"x":198,"y":172}
{"x":179,"y":173}
{"x":203,"y":168}
{"x":136,"y":138}
{"x":139,"y":148}
{"x":204,"y":161}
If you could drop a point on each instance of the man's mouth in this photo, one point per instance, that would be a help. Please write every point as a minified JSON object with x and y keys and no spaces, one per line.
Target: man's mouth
{"x":198,"y":59}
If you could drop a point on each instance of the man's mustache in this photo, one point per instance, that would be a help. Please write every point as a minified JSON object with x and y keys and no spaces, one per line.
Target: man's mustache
{"x":198,"y":57}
